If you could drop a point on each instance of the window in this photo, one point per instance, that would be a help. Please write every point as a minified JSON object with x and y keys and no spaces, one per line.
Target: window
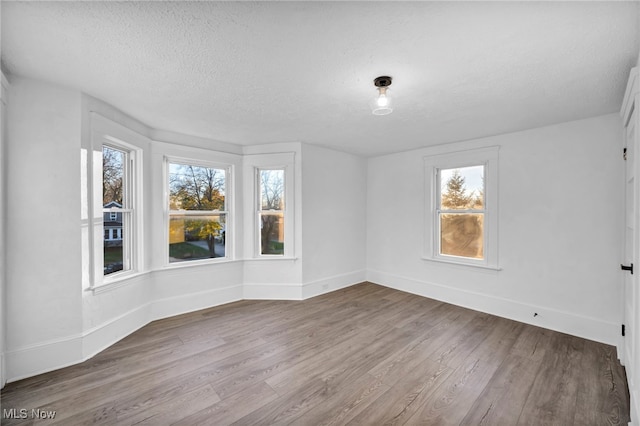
{"x":461,"y":207}
{"x":271,"y":183}
{"x":112,"y":204}
{"x":118,"y":208}
{"x":460,"y":212}
{"x":270,"y":192}
{"x":198,"y":211}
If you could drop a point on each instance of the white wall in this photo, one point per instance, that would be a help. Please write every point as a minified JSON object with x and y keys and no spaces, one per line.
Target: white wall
{"x":560,"y":227}
{"x":55,"y":317}
{"x":43,"y":203}
{"x":559,"y":244}
{"x":279,"y":277}
{"x":334,"y":190}
{"x":3,"y":203}
{"x":183,"y":288}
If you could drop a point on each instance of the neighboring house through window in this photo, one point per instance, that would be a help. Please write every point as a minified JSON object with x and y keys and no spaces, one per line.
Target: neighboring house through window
{"x":117,"y":209}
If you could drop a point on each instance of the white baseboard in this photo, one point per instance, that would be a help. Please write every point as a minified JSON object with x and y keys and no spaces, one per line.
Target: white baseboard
{"x":564,"y":322}
{"x":43,"y":357}
{"x":297,"y":291}
{"x":99,"y":338}
{"x":52,"y":355}
{"x":47,"y":356}
{"x":271,"y":291}
{"x":329,"y":284}
{"x":634,"y":407}
{"x":3,"y":376}
{"x":177,"y":305}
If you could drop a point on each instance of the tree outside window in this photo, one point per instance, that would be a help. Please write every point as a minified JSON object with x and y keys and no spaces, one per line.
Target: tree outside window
{"x":271,"y":213}
{"x":461,"y":212}
{"x":197,"y":212}
{"x":115,"y":213}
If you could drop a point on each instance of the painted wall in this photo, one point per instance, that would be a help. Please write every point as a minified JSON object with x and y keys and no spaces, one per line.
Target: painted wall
{"x":3,"y":203}
{"x":334,"y":189}
{"x":279,"y":277}
{"x":43,"y":268}
{"x":560,"y":227}
{"x":183,"y":288}
{"x":55,"y":319}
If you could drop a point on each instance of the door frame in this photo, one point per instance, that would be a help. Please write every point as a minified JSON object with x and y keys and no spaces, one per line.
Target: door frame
{"x":628,"y":347}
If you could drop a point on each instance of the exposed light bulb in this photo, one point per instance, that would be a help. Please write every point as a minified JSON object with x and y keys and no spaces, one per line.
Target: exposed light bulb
{"x":383,"y":101}
{"x":381,"y":104}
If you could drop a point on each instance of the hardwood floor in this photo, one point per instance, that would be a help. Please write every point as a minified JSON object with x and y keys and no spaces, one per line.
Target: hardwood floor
{"x":365,"y":355}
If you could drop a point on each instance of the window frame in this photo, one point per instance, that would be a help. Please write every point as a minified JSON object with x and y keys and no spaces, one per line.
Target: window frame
{"x":433,"y":164}
{"x":228,"y":212}
{"x":251,"y":197}
{"x":128,"y":212}
{"x":106,"y":132}
{"x":271,"y":212}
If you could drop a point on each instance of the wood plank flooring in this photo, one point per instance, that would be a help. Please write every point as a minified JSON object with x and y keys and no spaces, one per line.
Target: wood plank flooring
{"x":365,"y":355}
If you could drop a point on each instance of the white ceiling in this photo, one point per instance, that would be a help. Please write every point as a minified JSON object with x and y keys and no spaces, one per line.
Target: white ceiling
{"x":260,"y":72}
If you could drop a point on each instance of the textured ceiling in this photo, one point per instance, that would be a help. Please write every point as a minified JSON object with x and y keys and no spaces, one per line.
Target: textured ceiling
{"x":260,"y":72}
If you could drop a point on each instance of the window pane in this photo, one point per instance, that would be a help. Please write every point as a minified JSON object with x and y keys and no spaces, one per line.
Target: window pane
{"x":272,"y":233}
{"x":112,"y":177}
{"x":272,"y":189}
{"x":462,"y":188}
{"x":462,"y":234}
{"x":196,"y":237}
{"x":113,"y":187}
{"x":196,"y":188}
{"x":113,"y":247}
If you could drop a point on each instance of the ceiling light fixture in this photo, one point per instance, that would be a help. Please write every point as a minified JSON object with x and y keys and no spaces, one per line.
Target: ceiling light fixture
{"x":381,"y":104}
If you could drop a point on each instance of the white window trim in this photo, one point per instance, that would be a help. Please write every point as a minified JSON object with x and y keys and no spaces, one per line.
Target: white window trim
{"x":488,"y":157}
{"x":273,"y":161}
{"x":229,"y":212}
{"x":106,"y":132}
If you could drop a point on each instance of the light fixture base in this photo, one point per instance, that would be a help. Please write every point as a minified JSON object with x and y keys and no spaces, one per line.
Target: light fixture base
{"x":382,"y":81}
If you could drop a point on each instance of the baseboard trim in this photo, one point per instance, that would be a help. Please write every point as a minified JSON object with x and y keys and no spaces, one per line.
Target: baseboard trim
{"x":333,"y":283}
{"x":43,"y":357}
{"x":271,"y":291}
{"x":59,"y":353}
{"x":564,"y":322}
{"x":301,"y":291}
{"x":98,"y":338}
{"x":3,"y":375}
{"x":184,"y":303}
{"x":51,"y":355}
{"x":634,"y":408}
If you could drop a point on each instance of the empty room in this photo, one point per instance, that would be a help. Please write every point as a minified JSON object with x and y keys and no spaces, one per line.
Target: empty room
{"x":306,"y":213}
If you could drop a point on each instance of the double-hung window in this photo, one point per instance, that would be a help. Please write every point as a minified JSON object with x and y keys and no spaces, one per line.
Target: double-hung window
{"x":461,"y":207}
{"x":118,"y":204}
{"x":198,"y":211}
{"x":270,"y":190}
{"x":112,"y":203}
{"x":271,"y":211}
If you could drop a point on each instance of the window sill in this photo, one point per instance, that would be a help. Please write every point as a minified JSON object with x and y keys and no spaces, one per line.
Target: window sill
{"x":274,"y":257}
{"x":462,"y":264}
{"x":192,"y":263}
{"x":115,"y":283}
